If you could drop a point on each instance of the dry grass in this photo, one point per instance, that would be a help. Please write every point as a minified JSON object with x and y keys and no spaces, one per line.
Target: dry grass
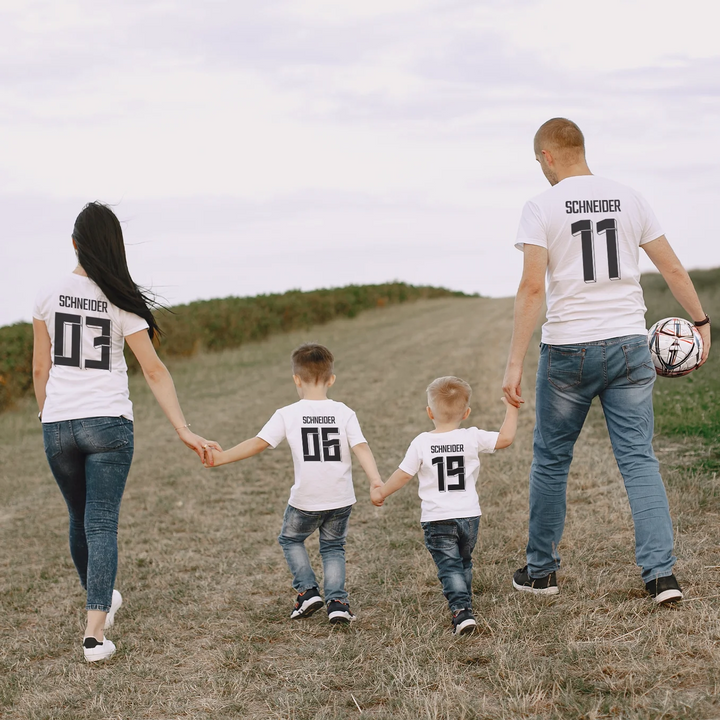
{"x":205,"y":629}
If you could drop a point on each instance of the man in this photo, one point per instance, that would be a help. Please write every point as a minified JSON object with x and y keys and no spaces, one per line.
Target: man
{"x":585,"y":234}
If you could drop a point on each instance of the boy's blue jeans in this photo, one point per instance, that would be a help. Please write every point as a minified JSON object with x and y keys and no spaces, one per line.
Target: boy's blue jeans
{"x":451,"y":543}
{"x":333,"y":526}
{"x":620,"y":372}
{"x":90,"y":459}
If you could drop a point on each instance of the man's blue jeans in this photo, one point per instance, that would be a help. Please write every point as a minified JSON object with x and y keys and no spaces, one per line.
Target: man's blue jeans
{"x":451,"y":543}
{"x":620,"y":372}
{"x":90,"y":459}
{"x":333,"y":526}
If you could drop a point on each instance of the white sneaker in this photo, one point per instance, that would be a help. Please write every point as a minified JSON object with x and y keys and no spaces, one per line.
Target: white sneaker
{"x":98,"y":650}
{"x":114,"y":607}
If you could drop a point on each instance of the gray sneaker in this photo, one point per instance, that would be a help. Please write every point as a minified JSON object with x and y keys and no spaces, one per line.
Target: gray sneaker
{"x":538,"y":586}
{"x":664,"y":590}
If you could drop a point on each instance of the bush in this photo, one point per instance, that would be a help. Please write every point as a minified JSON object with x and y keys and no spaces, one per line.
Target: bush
{"x":219,"y":324}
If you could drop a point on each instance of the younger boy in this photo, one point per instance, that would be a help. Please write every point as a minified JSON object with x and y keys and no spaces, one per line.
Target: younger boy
{"x":447,"y":464}
{"x":320,"y":433}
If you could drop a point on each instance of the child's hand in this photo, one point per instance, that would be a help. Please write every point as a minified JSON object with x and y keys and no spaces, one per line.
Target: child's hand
{"x":209,"y":450}
{"x":508,"y":406}
{"x":376,"y":496}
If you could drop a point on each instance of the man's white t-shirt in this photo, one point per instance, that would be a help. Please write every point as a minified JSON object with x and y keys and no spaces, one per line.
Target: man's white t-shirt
{"x":592,"y":229}
{"x":88,"y":377}
{"x":447,"y":466}
{"x":320,"y":434}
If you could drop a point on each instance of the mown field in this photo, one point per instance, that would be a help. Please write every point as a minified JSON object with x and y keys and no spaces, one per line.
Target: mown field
{"x":205,"y":633}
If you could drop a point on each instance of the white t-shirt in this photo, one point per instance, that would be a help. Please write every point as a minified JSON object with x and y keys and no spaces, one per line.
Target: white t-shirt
{"x":88,"y":377}
{"x":447,"y":466}
{"x":320,"y":434}
{"x":592,"y":229}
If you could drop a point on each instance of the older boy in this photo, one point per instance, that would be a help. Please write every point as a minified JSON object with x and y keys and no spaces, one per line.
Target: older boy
{"x":447,"y":465}
{"x":320,"y":433}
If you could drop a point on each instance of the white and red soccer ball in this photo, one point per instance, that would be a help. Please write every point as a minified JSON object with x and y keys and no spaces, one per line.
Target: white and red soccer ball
{"x":676,"y":346}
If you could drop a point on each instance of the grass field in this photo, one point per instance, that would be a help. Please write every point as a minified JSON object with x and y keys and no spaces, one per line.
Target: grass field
{"x":205,"y":633}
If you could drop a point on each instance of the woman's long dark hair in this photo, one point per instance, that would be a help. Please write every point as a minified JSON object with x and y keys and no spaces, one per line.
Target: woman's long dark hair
{"x":101,"y":253}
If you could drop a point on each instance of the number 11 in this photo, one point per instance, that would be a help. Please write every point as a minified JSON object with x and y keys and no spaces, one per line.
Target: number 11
{"x":584,"y":228}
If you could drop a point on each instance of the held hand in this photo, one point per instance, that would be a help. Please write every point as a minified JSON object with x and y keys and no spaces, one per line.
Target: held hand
{"x":511,"y":387}
{"x":209,"y":459}
{"x":704,"y":331}
{"x":376,"y":496}
{"x":195,"y":442}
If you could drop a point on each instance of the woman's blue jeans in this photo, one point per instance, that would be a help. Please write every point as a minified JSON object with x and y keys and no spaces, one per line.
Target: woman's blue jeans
{"x":90,"y":459}
{"x":620,"y":372}
{"x":451,"y":543}
{"x":333,"y":526}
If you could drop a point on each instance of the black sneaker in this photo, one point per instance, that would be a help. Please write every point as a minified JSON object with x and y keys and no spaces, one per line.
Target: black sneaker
{"x":339,"y":612}
{"x":539,"y":586}
{"x":664,"y":590}
{"x":306,"y":604}
{"x":464,"y":622}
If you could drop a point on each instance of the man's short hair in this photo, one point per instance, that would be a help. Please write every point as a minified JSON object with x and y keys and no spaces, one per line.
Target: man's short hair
{"x":562,"y":137}
{"x":448,"y":398}
{"x":312,"y":363}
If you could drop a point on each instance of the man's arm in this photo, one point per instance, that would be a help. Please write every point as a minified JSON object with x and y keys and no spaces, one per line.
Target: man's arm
{"x":681,"y":286}
{"x":528,"y":303}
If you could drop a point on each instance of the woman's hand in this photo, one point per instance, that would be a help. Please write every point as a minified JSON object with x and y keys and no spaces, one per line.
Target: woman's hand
{"x":198,"y":444}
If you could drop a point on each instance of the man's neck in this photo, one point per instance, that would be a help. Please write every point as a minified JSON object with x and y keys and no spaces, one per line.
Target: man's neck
{"x":572,"y":171}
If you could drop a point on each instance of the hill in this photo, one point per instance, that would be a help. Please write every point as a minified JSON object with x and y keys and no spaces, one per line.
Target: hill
{"x":205,"y":629}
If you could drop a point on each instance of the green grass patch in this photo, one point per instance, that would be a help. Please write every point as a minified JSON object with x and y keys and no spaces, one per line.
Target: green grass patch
{"x":688,"y":406}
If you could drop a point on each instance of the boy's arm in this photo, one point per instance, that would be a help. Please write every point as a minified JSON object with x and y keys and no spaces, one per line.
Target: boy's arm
{"x":397,"y":480}
{"x":509,"y":426}
{"x":364,"y":454}
{"x":245,"y":449}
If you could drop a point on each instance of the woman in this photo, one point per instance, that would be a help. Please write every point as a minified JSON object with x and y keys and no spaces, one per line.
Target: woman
{"x":80,"y":324}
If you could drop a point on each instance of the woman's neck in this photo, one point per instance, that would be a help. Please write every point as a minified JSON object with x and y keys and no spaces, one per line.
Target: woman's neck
{"x":79,"y":271}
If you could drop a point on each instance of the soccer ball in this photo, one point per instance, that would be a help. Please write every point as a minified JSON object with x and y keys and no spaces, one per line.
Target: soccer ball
{"x":676,"y":346}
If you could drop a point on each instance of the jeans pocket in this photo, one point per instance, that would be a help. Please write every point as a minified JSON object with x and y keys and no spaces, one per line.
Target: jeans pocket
{"x":639,"y":365}
{"x":51,"y":439}
{"x":439,"y":534}
{"x":565,"y":365}
{"x":108,"y":433}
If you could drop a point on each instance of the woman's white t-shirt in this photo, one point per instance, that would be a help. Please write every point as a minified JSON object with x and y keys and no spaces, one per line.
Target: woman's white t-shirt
{"x":447,"y":466}
{"x":88,"y":377}
{"x":320,"y":434}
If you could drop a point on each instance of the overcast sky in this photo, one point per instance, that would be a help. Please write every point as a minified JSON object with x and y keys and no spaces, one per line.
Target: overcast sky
{"x":258,"y":146}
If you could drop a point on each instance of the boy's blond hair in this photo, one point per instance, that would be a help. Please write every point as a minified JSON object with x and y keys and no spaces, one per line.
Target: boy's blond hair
{"x":448,"y":398}
{"x":313,"y":363}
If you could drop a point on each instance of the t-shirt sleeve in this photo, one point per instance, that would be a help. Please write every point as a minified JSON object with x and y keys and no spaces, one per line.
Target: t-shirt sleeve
{"x":532,"y":227}
{"x":413,"y":459}
{"x":651,"y":229}
{"x":131,"y":323}
{"x":273,"y":431}
{"x":39,"y":311}
{"x":486,"y":441}
{"x":353,"y":431}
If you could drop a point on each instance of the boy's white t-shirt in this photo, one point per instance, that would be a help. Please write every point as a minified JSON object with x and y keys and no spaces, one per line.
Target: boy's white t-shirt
{"x":592,"y":228}
{"x":320,"y":434}
{"x":88,"y":377}
{"x":447,"y":466}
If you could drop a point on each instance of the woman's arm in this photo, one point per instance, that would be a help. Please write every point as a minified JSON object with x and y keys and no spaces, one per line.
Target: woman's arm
{"x":161,"y":383}
{"x":42,"y":361}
